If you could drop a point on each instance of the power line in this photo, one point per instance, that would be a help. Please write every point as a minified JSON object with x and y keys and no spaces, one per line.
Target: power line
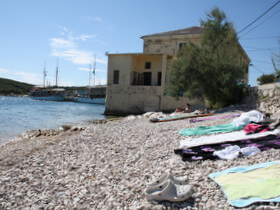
{"x":256,"y":48}
{"x":258,"y":69}
{"x":260,"y":48}
{"x":262,"y":61}
{"x":264,"y":49}
{"x":262,"y":22}
{"x":259,"y":17}
{"x":261,"y":37}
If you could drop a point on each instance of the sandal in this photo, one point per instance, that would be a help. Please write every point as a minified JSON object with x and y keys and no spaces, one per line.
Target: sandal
{"x":168,"y":191}
{"x":166,"y":176}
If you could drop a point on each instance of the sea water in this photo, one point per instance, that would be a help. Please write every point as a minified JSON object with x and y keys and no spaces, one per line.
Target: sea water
{"x":21,"y":114}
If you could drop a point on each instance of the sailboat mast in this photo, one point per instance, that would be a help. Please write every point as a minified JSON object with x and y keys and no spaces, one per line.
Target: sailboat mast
{"x":94,"y":66}
{"x":56,"y":73}
{"x":44,"y":74}
{"x":89,"y":77}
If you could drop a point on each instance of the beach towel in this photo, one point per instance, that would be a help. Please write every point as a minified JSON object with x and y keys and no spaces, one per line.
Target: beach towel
{"x":254,"y":128}
{"x":202,"y":130}
{"x":178,"y":117}
{"x":213,"y":118}
{"x":249,"y":184}
{"x":208,"y":151}
{"x":223,"y":138}
{"x":237,"y":124}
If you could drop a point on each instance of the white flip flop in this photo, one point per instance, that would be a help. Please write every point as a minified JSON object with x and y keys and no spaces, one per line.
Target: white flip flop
{"x":176,"y":180}
{"x":168,"y":191}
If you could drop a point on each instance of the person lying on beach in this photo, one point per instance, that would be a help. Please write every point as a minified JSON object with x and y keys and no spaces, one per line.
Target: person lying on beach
{"x":184,"y":109}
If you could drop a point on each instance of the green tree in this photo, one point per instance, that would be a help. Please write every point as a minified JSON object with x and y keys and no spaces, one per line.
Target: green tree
{"x":266,"y":78}
{"x":211,"y":70}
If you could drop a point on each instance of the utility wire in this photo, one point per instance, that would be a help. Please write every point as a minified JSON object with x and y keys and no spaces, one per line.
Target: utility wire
{"x":257,"y":48}
{"x":260,"y":50}
{"x":262,"y":61}
{"x":258,"y":69}
{"x":259,"y":17}
{"x":264,"y":49}
{"x":261,"y":37}
{"x":260,"y":23}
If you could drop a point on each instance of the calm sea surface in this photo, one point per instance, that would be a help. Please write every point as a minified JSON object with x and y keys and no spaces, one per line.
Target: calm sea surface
{"x":21,"y":114}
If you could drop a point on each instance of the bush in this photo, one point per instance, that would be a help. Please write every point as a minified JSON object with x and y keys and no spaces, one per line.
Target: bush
{"x":266,"y":78}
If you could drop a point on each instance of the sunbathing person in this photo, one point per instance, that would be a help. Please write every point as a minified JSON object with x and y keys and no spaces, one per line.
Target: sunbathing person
{"x":184,"y":109}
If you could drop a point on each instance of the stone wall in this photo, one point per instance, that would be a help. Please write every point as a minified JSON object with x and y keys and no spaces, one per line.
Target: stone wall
{"x":270,"y":98}
{"x":265,"y":98}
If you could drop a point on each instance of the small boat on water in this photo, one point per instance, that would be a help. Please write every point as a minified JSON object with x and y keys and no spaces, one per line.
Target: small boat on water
{"x":88,"y":99}
{"x":47,"y":94}
{"x":95,"y":94}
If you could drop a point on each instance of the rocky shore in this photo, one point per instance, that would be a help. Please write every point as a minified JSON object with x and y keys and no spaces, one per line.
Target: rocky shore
{"x":108,"y":166}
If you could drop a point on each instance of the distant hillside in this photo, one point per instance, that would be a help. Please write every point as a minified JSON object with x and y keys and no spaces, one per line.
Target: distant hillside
{"x":10,"y":87}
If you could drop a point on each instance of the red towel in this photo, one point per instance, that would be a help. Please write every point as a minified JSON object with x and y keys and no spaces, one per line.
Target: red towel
{"x":253,"y":128}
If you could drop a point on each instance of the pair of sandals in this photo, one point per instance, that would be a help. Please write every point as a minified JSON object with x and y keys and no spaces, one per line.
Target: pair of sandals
{"x":169,"y":188}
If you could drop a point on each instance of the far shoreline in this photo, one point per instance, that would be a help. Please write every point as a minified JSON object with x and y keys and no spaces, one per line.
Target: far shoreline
{"x":14,"y":95}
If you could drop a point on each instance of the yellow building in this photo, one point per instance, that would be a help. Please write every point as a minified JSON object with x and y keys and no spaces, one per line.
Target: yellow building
{"x":136,"y":82}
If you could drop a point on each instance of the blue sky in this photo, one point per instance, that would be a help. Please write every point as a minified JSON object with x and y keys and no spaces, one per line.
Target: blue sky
{"x":33,"y":31}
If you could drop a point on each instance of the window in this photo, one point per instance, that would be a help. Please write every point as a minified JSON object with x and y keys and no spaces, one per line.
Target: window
{"x":181,"y":45}
{"x":159,"y":79}
{"x":140,"y":79}
{"x":144,"y":78}
{"x":148,"y":65}
{"x":116,"y":77}
{"x":147,"y":78}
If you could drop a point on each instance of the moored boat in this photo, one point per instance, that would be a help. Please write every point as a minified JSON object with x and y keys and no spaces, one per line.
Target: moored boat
{"x":47,"y":94}
{"x":96,"y":95}
{"x":88,"y":99}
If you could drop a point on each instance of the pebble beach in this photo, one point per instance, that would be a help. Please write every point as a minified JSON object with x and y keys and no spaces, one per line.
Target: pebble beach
{"x":108,"y":166}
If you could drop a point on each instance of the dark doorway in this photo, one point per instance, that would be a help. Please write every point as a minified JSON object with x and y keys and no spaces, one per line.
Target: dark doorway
{"x":147,"y":78}
{"x":159,"y":79}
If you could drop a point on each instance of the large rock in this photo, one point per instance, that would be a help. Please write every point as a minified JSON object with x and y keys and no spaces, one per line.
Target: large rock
{"x":270,"y":105}
{"x":65,"y":127}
